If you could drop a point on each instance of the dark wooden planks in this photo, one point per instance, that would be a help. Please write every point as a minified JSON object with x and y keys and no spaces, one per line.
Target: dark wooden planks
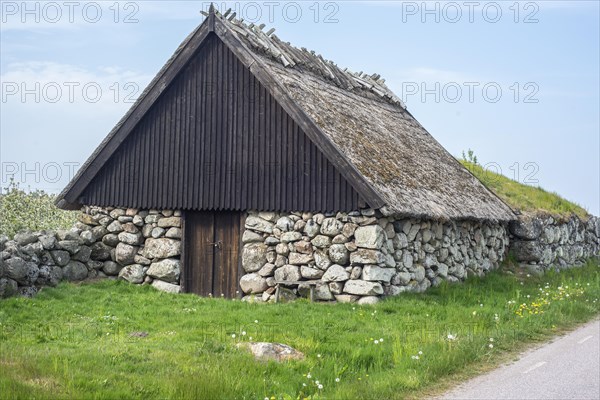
{"x":212,"y":253}
{"x":216,"y":139}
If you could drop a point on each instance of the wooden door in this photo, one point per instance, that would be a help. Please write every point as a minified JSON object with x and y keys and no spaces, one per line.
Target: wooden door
{"x":212,"y":253}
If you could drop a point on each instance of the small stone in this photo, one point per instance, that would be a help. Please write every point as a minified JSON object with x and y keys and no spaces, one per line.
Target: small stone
{"x":288,"y":273}
{"x":112,"y":239}
{"x":310,"y":273}
{"x":166,"y":270}
{"x":49,"y":241}
{"x":253,"y":283}
{"x":131,"y":238}
{"x":321,"y":241}
{"x":157,"y":232}
{"x":336,"y":273}
{"x":367,"y":256}
{"x":132,"y":273}
{"x":74,"y":271}
{"x":173,"y":233}
{"x":72,"y":246}
{"x":169,"y":222}
{"x":291,"y":236}
{"x":349,"y":229}
{"x":370,"y":237}
{"x":251,"y":237}
{"x":264,"y":351}
{"x":375,"y":273}
{"x":259,"y":224}
{"x":322,"y":260}
{"x":311,"y":229}
{"x":368,"y":300}
{"x":338,"y":254}
{"x":303,"y":247}
{"x":115,"y":227}
{"x":25,"y":238}
{"x":83,"y":254}
{"x":300,"y":259}
{"x":125,"y":254}
{"x":166,"y":287}
{"x":331,"y":227}
{"x":111,"y":268}
{"x":363,"y":288}
{"x":62,"y":257}
{"x":285,"y":224}
{"x":267,"y":270}
{"x":161,"y":248}
{"x":254,"y":256}
{"x":346,"y":298}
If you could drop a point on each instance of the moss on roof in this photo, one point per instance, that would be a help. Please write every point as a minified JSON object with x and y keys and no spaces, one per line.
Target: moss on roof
{"x":525,"y":198}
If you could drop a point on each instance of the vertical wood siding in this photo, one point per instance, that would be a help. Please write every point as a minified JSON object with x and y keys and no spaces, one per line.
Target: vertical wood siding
{"x":217,"y":140}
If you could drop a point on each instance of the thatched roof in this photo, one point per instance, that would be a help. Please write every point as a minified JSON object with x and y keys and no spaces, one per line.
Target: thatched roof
{"x":366,"y":131}
{"x":369,"y":124}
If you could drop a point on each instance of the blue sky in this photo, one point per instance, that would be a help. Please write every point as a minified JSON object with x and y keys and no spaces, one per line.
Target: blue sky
{"x":516,"y":82}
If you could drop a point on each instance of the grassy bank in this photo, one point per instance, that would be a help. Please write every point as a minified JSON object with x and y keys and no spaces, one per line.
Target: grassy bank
{"x":76,"y":342}
{"x":524,"y":197}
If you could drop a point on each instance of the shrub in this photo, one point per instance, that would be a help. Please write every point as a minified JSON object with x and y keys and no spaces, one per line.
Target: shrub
{"x":31,"y":211}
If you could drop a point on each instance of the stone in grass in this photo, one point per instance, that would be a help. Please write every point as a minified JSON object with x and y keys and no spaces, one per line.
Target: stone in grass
{"x":166,"y":287}
{"x":265,"y":351}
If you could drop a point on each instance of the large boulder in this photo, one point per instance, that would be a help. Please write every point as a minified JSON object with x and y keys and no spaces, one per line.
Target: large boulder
{"x":166,"y":270}
{"x":363,"y":288}
{"x":132,"y":273}
{"x":370,"y":237}
{"x":375,"y":273}
{"x":287,"y":273}
{"x":253,"y":283}
{"x":161,"y":248}
{"x":526,"y":227}
{"x":74,"y":271}
{"x":254,"y":256}
{"x":15,"y":268}
{"x":526,"y":250}
{"x":367,"y":256}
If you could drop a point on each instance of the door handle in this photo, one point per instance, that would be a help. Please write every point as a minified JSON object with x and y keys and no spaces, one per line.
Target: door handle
{"x":218,"y":244}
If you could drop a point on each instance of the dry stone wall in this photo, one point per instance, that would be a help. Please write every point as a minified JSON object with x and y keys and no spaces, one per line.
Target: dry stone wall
{"x":541,"y":242}
{"x":361,"y":256}
{"x":352,"y":257}
{"x":140,"y":246}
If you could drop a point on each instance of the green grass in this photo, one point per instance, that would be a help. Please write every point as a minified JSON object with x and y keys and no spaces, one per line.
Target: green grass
{"x":74,"y":341}
{"x":524,"y":197}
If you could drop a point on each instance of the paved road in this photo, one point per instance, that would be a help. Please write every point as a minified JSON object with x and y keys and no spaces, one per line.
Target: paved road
{"x":566,"y":368}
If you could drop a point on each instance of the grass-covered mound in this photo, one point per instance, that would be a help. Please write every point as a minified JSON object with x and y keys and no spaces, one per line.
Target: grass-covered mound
{"x":76,"y":341}
{"x":523,"y":197}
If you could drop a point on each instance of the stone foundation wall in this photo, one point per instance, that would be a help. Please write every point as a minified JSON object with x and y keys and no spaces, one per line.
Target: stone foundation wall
{"x":137,"y":246}
{"x":541,"y":242}
{"x":361,"y":256}
{"x":355,"y":257}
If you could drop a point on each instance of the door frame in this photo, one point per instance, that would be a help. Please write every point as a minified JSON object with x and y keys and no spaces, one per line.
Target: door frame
{"x":184,"y":240}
